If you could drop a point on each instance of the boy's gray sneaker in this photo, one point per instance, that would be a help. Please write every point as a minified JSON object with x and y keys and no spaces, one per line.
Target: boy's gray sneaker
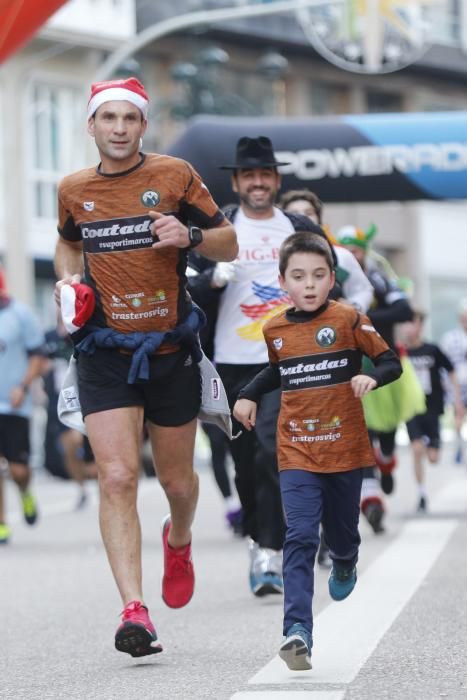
{"x":265,"y":570}
{"x":295,"y":650}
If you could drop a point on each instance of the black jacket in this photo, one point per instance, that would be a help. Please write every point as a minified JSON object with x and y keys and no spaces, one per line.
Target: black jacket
{"x":208,"y":298}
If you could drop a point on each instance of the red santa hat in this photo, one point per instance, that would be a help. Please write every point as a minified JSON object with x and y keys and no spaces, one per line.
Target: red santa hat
{"x":77,"y":303}
{"x":129,"y":89}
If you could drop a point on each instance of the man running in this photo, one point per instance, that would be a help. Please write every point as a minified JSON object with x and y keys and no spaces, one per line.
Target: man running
{"x":21,"y":361}
{"x":251,"y":297}
{"x":125,"y":229}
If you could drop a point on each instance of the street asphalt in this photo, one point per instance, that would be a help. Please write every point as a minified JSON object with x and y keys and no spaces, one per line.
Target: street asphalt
{"x":404,"y":636}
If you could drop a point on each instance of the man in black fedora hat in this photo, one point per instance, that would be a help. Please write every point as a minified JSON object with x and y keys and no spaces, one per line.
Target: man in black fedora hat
{"x":251,"y":294}
{"x":254,"y":153}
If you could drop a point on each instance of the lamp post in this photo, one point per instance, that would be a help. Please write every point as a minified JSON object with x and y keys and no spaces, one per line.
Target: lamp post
{"x":129,"y":68}
{"x":199,"y":83}
{"x":201,"y":88}
{"x":273,"y":66}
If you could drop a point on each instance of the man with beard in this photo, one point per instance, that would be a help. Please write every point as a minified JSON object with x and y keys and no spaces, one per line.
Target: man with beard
{"x":251,"y":294}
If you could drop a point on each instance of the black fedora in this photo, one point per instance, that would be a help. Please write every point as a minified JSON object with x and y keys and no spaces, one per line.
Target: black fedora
{"x":254,"y":153}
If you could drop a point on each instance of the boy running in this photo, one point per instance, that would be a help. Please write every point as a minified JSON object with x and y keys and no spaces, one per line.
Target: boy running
{"x":428,"y":361}
{"x":315,"y":351}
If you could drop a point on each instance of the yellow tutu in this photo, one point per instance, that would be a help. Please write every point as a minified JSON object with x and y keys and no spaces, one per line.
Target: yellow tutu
{"x":394,"y":403}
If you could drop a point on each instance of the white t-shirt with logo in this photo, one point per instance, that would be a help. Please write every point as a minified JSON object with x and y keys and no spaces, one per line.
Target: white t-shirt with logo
{"x":254,"y":295}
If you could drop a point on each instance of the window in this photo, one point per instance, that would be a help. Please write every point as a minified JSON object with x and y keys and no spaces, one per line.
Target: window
{"x":445,"y":17}
{"x":329,"y":98}
{"x":445,"y":295}
{"x":56,"y":146}
{"x":380,"y":101}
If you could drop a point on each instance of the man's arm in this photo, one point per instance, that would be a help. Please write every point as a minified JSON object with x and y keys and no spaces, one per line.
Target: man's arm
{"x":68,"y":260}
{"x":68,"y":263}
{"x":398,"y":312}
{"x":459,"y":410}
{"x":219,"y":243}
{"x":36,"y":367}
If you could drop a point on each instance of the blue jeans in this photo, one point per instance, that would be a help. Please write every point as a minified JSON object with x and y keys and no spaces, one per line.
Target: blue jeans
{"x":311,"y":498}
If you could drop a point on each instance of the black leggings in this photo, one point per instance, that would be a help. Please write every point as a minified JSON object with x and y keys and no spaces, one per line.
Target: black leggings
{"x":254,"y":456}
{"x":220,"y":447}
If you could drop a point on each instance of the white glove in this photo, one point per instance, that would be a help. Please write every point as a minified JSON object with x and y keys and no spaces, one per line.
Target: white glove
{"x":224,"y":272}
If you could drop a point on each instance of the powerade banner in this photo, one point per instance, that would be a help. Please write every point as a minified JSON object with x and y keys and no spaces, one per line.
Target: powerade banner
{"x":355,"y":158}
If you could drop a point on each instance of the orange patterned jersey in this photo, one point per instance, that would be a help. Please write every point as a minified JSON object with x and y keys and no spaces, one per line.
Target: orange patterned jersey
{"x":137,"y":288}
{"x":321,"y":427}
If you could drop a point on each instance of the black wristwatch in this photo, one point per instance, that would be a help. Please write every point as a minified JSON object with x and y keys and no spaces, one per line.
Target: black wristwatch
{"x":195,"y":235}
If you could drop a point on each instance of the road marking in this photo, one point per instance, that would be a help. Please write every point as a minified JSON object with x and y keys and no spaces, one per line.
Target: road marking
{"x":347,"y":633}
{"x":291,"y":695}
{"x":452,"y":500}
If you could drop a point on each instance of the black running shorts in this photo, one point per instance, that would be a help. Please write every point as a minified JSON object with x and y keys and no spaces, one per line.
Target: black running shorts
{"x":171,"y":396}
{"x":425,"y":427}
{"x":14,"y":438}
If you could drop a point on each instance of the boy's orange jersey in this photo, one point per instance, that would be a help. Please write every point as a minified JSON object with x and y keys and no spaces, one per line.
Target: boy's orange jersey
{"x":321,"y":427}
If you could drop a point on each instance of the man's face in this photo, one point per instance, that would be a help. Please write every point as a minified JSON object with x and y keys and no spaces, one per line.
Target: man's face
{"x":117,"y":127}
{"x":257,"y":189}
{"x":463,"y":320}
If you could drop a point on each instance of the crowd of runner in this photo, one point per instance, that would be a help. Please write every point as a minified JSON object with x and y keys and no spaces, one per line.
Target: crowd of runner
{"x":306,"y":334}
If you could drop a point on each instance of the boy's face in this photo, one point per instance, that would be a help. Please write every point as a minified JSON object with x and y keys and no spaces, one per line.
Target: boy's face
{"x":412,"y":331}
{"x":303,"y":207}
{"x":308,"y":280}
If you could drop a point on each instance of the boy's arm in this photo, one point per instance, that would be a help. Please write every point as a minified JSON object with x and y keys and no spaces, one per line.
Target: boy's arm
{"x":387,"y":368}
{"x":246,"y":405}
{"x":265,"y":381}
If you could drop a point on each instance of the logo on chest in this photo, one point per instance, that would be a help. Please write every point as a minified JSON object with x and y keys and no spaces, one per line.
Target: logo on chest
{"x":150,"y":198}
{"x":326,"y":336}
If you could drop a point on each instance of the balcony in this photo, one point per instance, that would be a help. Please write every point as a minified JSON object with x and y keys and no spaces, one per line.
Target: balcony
{"x":101,"y":19}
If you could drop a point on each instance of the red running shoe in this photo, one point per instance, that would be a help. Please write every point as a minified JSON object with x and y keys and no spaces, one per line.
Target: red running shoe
{"x":373,"y":510}
{"x":386,"y":465}
{"x":178,"y":582}
{"x":386,"y":468}
{"x":137,"y":635}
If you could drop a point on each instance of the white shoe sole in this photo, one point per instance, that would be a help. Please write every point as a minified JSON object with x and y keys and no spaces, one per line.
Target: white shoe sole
{"x":295,"y":654}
